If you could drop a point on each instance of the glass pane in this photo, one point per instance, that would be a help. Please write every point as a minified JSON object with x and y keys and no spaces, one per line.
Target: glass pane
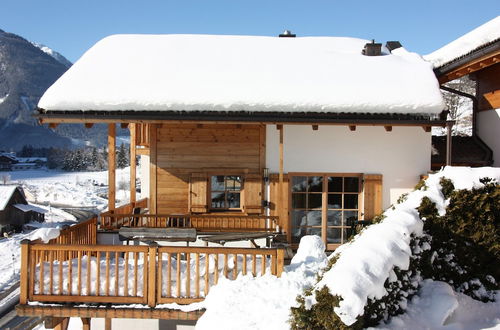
{"x":348,"y":232}
{"x":314,"y":201}
{"x":334,"y":201}
{"x":350,"y":217}
{"x":218,"y":200}
{"x":233,"y":200}
{"x":350,"y":201}
{"x":217,"y":182}
{"x":333,"y":235}
{"x":334,"y":184}
{"x":298,"y":219}
{"x":334,"y":218}
{"x":314,"y":231}
{"x":316,"y":183}
{"x":299,"y":183}
{"x":351,"y":184}
{"x":233,"y":183}
{"x":314,"y":218}
{"x":298,"y":201}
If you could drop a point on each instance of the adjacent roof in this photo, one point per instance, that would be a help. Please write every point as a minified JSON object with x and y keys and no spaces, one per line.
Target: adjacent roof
{"x":471,"y":42}
{"x":28,"y":207}
{"x":465,"y":151}
{"x":5,"y":195}
{"x":214,"y":73}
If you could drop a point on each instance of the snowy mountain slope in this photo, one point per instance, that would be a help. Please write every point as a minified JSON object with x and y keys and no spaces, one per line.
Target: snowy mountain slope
{"x":60,"y":58}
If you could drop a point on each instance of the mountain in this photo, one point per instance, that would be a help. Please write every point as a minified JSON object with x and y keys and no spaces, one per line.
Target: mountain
{"x":27,"y":69}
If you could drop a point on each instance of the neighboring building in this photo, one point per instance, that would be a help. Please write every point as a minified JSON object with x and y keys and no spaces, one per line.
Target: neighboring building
{"x":477,"y":55}
{"x":15,"y":210}
{"x":7,"y":161}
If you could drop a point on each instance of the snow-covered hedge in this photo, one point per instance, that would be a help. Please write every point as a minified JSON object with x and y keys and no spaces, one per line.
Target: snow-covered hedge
{"x":446,"y":230}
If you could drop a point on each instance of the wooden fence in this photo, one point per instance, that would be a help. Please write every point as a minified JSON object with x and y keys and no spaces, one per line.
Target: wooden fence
{"x":134,"y":274}
{"x":204,"y":223}
{"x":82,"y":233}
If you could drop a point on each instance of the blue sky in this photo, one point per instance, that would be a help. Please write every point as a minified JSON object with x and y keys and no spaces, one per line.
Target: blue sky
{"x":71,"y":27}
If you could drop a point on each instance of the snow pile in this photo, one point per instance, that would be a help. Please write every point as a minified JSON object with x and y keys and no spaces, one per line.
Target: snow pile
{"x":486,"y":33}
{"x":263,"y":302}
{"x":365,"y":263}
{"x":437,"y":306}
{"x":244,"y":73}
{"x":45,"y":234}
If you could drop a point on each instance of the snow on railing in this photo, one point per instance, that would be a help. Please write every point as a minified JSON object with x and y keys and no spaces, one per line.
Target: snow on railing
{"x":134,"y":274}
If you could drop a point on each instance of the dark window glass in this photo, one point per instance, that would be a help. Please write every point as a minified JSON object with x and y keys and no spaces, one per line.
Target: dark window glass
{"x":299,"y":201}
{"x":314,"y":218}
{"x":350,"y":201}
{"x":299,"y":184}
{"x":314,"y":201}
{"x":233,"y":200}
{"x":334,"y":218}
{"x":315,"y":184}
{"x":314,"y":231}
{"x":333,"y":235}
{"x":334,"y":184}
{"x":334,"y":201}
{"x":217,"y":183}
{"x":225,"y":191}
{"x":351,"y":184}
{"x":350,"y":217}
{"x":218,"y":200}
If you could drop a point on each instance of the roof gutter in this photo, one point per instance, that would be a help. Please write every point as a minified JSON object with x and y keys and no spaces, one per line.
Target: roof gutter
{"x":450,"y":66}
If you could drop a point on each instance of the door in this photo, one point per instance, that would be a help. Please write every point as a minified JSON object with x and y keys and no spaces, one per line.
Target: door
{"x":327,"y":205}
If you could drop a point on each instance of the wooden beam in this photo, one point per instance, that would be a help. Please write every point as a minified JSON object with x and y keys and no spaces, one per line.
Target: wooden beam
{"x":86,"y":323}
{"x":315,"y":127}
{"x":63,"y":325}
{"x":106,"y":312}
{"x":388,"y":128}
{"x":476,"y":65}
{"x":352,"y":127}
{"x":53,"y":125}
{"x":142,"y":151}
{"x":427,"y":129}
{"x":281,"y":199}
{"x":107,"y":323}
{"x":132,"y":129}
{"x":124,"y":125}
{"x":449,"y":126}
{"x":88,"y":125}
{"x":152,"y":168}
{"x":52,"y":322}
{"x":279,"y":127}
{"x":23,"y":295}
{"x":111,"y":166}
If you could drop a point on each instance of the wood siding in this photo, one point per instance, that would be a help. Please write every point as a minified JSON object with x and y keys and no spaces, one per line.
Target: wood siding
{"x":488,"y":87}
{"x":182,"y":150}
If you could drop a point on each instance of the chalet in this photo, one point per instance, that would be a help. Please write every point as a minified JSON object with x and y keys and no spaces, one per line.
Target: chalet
{"x":15,"y":210}
{"x":240,"y":138}
{"x":7,"y":161}
{"x":476,"y":55}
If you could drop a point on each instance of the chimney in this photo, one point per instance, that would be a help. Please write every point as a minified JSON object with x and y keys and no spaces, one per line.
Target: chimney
{"x":391,"y":45}
{"x":287,"y":34}
{"x":372,"y":49}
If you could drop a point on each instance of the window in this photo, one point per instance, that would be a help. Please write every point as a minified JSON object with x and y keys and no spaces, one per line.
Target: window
{"x":324,"y":205}
{"x":225,"y":192}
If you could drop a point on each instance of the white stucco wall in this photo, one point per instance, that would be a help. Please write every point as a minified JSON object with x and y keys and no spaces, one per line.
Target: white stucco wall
{"x":401,"y":156}
{"x":488,"y":129}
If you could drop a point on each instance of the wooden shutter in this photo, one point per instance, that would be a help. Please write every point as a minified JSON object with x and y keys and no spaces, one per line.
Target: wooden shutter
{"x":252,"y":194}
{"x":198,"y":193}
{"x":372,"y":195}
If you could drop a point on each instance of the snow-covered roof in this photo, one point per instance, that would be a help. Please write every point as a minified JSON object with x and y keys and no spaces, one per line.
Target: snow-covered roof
{"x":5,"y":195}
{"x":28,"y":207}
{"x":244,"y":73}
{"x":466,"y":44}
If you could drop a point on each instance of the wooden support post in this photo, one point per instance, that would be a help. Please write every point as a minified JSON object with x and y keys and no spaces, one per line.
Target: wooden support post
{"x":52,"y":322}
{"x":111,"y":167}
{"x":23,"y":295}
{"x":63,"y":325}
{"x":88,"y":125}
{"x":107,"y":324}
{"x":427,"y":129}
{"x":388,"y":128}
{"x":53,"y":125}
{"x":281,"y":199}
{"x":152,"y":168}
{"x":352,"y":128}
{"x":86,"y":323}
{"x":124,"y":125}
{"x":449,"y":126}
{"x":132,"y":128}
{"x":280,"y":255}
{"x":153,"y":248}
{"x":315,"y":127}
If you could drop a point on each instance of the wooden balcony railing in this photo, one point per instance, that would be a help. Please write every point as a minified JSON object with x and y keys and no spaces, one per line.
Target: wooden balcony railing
{"x":82,"y":233}
{"x":134,"y":274}
{"x":204,"y":223}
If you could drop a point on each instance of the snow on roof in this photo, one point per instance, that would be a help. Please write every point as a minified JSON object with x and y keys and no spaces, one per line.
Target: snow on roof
{"x":5,"y":195}
{"x":481,"y":36}
{"x":28,"y":207}
{"x":244,"y":73}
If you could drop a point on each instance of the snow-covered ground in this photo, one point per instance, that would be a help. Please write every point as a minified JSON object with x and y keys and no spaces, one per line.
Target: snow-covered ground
{"x":71,"y":189}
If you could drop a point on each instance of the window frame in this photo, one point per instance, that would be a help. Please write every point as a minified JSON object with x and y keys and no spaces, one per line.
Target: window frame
{"x":324,"y":204}
{"x":226,"y":191}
